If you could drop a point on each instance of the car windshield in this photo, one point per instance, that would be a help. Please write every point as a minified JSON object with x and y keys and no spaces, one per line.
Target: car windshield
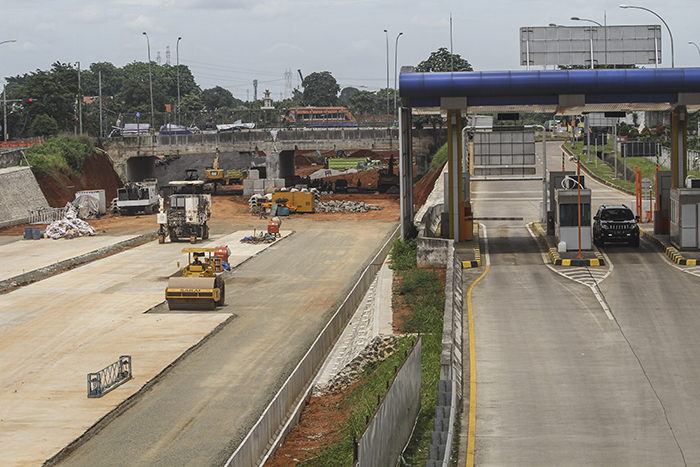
{"x":617,"y":215}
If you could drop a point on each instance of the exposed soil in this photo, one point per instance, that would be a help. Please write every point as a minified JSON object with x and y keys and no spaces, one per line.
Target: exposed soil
{"x":318,"y":425}
{"x":97,"y":174}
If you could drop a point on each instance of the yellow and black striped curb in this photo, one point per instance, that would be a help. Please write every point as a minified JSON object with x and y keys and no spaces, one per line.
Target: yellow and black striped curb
{"x":670,"y":251}
{"x":558,"y":261}
{"x":477,"y":252}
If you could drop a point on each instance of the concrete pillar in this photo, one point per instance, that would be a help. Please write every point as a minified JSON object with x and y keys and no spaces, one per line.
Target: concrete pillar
{"x":679,"y":146}
{"x":406,"y":171}
{"x":454,"y":154}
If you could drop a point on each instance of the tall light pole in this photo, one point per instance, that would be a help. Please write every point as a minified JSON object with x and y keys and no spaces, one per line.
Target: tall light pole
{"x":4,"y":99}
{"x":150,"y":78}
{"x":396,"y":64}
{"x":605,"y":34}
{"x":177,"y":53}
{"x":80,"y":102}
{"x":673,"y":63}
{"x":387,"y":79}
{"x":696,"y":46}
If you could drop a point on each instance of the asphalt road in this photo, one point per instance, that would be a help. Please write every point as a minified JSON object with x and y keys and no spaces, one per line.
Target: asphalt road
{"x":559,"y":381}
{"x":200,"y":410}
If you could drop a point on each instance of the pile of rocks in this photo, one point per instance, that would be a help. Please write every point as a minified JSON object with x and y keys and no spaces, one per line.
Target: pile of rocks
{"x":345,"y":206}
{"x":378,"y":350}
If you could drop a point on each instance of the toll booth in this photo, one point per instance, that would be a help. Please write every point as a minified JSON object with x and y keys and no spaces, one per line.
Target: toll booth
{"x":685,"y":218}
{"x":566,"y":219}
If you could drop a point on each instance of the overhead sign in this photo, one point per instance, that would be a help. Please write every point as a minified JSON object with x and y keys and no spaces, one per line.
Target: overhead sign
{"x":578,"y":45}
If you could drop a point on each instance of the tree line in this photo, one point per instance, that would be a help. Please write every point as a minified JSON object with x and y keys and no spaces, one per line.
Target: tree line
{"x":65,"y":98}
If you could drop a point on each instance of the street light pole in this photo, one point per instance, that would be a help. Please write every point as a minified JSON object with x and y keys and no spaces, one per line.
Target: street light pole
{"x":673,"y":63}
{"x":696,"y":46}
{"x":396,"y":64}
{"x":150,"y":78}
{"x":80,"y":102}
{"x":387,"y":79}
{"x":605,"y":35}
{"x":177,"y":53}
{"x":4,"y":99}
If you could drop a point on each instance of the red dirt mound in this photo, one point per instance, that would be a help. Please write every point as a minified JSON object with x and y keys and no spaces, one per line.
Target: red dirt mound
{"x":97,"y":174}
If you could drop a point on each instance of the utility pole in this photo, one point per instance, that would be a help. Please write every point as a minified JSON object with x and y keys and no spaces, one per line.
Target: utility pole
{"x":99,"y":81}
{"x":80,"y":102}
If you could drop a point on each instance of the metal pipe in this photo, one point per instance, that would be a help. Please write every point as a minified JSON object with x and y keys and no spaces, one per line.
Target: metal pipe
{"x":396,"y":63}
{"x":673,"y":63}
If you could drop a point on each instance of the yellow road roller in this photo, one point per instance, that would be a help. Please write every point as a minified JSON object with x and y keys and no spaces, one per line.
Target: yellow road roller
{"x":197,"y":286}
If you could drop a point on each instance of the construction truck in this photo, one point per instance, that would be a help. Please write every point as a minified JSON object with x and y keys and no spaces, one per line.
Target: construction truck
{"x":137,"y":197}
{"x":187,"y":213}
{"x":197,"y":286}
{"x":387,"y":177}
{"x":214,"y":174}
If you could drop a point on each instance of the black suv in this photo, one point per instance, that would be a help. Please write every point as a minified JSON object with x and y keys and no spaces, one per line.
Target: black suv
{"x":615,"y":224}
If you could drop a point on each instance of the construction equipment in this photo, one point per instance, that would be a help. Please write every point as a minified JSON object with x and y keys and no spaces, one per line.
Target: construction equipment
{"x":138,"y":197}
{"x":188,"y":211}
{"x":214,"y":174}
{"x":387,"y":177}
{"x":198,"y":287}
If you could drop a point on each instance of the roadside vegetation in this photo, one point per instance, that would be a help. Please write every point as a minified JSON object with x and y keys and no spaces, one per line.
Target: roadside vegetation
{"x":606,"y":172}
{"x":419,"y":297}
{"x":59,"y":153}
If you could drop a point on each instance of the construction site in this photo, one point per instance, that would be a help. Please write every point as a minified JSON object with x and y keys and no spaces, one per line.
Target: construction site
{"x":156,"y":266}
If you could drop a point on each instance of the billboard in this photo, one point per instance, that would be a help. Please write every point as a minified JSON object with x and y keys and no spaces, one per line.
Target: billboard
{"x":579,"y":45}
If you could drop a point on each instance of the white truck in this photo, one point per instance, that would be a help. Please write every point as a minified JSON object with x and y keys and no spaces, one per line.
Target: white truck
{"x":138,"y":197}
{"x":187,"y":214}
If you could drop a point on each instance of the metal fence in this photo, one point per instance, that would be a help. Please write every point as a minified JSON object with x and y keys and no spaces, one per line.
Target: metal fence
{"x":389,"y":431}
{"x":46,"y":215}
{"x":256,"y":445}
{"x":100,"y":383}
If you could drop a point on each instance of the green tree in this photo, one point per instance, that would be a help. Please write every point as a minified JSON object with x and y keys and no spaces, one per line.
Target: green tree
{"x":364,"y":102}
{"x":443,"y":60}
{"x":320,"y":89}
{"x":43,"y":125}
{"x":216,"y":98}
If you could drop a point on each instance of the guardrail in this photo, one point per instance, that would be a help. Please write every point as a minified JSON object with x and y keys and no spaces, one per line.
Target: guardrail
{"x":46,"y":215}
{"x":108,"y":378}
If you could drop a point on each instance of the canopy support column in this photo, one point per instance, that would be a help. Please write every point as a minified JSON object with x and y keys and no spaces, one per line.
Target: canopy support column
{"x":406,"y":171}
{"x":679,"y":146}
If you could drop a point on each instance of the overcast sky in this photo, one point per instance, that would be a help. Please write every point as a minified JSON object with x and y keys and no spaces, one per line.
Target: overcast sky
{"x":232,"y":42}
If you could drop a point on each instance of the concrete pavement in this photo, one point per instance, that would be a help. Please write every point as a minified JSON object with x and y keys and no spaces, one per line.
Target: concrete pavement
{"x":54,"y":332}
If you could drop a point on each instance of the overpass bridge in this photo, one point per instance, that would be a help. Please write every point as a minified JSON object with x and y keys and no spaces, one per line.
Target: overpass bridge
{"x":122,"y":148}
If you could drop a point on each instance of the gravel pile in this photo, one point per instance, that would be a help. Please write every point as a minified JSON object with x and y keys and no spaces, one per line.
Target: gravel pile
{"x":345,"y":206}
{"x":378,"y":350}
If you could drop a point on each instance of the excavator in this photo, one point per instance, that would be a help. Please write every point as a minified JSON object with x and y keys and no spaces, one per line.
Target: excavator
{"x":198,"y":287}
{"x":214,"y":174}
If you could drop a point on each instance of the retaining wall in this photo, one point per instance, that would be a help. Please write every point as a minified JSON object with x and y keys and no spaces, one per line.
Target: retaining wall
{"x":19,"y":192}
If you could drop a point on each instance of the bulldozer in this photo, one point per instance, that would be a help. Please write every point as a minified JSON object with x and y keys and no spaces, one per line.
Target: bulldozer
{"x":198,"y":287}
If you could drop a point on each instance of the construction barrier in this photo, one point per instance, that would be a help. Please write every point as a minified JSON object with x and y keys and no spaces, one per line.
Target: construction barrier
{"x":108,"y":378}
{"x":46,"y":215}
{"x":25,"y":143}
